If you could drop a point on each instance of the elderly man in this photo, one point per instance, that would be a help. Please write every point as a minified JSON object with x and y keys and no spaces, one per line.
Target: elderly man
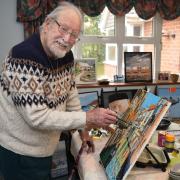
{"x":39,"y":99}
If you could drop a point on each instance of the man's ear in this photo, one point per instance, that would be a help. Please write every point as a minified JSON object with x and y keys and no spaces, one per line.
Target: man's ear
{"x":47,"y":21}
{"x":46,"y":24}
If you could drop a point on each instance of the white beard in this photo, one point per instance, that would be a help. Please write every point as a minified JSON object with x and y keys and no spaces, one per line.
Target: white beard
{"x":56,"y":51}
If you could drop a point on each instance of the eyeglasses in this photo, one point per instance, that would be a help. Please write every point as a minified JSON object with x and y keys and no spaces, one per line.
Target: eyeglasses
{"x":65,"y":31}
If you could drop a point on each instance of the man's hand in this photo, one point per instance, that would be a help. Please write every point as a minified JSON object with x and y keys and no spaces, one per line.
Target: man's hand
{"x":87,"y":141}
{"x":101,"y":117}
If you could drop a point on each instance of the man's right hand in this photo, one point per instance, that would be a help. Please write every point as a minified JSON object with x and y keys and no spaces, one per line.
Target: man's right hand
{"x":100,"y":117}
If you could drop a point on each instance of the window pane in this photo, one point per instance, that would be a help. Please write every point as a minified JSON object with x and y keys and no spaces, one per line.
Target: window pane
{"x":136,"y":26}
{"x":102,"y":25}
{"x":170,"y":54}
{"x":106,"y":58}
{"x":111,"y":51}
{"x":138,"y":48}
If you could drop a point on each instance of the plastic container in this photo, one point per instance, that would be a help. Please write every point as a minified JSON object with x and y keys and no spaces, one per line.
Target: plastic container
{"x":161,"y":138}
{"x":146,"y":158}
{"x":169,"y":142}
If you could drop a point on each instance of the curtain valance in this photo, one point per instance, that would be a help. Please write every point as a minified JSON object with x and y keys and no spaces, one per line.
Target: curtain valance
{"x":28,"y":10}
{"x":33,"y":12}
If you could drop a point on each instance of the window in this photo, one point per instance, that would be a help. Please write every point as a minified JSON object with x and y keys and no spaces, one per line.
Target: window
{"x":106,"y":37}
{"x":99,"y":41}
{"x":137,"y":31}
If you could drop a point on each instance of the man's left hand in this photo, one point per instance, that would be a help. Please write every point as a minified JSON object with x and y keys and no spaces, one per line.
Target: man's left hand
{"x":87,"y":141}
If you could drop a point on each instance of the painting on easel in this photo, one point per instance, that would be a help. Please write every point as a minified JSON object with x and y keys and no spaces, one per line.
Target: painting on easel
{"x":133,"y":132}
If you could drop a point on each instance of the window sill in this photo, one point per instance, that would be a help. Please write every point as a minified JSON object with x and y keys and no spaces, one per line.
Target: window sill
{"x":122,"y":84}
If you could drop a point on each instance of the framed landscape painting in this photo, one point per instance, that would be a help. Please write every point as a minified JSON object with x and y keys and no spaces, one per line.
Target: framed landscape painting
{"x":89,"y":100}
{"x":138,"y":66}
{"x":173,"y":95}
{"x":85,"y":71}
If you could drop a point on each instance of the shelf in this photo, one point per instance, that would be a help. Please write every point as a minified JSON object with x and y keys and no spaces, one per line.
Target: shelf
{"x":122,"y":84}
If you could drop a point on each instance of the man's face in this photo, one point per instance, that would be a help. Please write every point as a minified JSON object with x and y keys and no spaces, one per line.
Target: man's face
{"x":61,"y":33}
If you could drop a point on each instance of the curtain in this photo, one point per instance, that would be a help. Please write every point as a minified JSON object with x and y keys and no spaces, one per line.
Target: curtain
{"x":32,"y":12}
{"x":91,"y":7}
{"x":169,"y":9}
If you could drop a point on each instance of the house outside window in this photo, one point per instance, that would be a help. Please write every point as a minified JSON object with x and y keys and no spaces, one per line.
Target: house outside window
{"x":170,"y":52}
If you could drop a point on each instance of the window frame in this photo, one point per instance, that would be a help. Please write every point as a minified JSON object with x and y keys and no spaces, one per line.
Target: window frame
{"x":119,"y":38}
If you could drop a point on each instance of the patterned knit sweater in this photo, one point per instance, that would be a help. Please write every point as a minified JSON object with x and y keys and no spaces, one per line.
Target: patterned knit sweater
{"x":36,"y":97}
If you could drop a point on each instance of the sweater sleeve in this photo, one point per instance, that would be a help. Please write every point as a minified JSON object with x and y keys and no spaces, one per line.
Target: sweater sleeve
{"x":39,"y":99}
{"x":41,"y":117}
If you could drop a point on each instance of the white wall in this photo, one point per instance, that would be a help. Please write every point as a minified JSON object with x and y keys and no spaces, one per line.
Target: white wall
{"x":11,"y":32}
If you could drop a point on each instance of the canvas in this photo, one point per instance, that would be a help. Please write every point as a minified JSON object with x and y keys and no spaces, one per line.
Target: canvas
{"x":134,"y":130}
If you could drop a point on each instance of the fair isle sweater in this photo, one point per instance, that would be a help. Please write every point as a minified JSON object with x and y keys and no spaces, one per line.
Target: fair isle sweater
{"x":38,"y":99}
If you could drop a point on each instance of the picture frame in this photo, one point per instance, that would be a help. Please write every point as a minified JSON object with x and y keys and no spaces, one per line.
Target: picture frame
{"x":163,"y":76}
{"x":108,"y":96}
{"x":173,"y":95}
{"x":138,"y":66}
{"x":89,"y":100}
{"x":85,"y":71}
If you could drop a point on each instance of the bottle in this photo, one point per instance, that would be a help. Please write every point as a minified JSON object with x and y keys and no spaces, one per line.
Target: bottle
{"x":161,"y":138}
{"x":169,"y":142}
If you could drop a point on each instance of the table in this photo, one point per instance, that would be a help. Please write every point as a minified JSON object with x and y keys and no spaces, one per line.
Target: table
{"x":89,"y":167}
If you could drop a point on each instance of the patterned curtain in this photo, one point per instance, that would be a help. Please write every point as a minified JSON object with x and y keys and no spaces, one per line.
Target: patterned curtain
{"x":91,"y":7}
{"x":145,"y":9}
{"x":169,"y":9}
{"x":119,"y":7}
{"x":32,"y":12}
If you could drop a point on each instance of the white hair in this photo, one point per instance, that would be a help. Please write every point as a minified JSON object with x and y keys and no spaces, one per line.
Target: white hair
{"x":63,"y":6}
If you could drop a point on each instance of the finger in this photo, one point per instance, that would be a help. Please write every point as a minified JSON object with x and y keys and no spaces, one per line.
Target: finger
{"x":112,"y":113}
{"x":91,"y":146}
{"x":104,"y":125}
{"x":88,"y":148}
{"x":109,"y":118}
